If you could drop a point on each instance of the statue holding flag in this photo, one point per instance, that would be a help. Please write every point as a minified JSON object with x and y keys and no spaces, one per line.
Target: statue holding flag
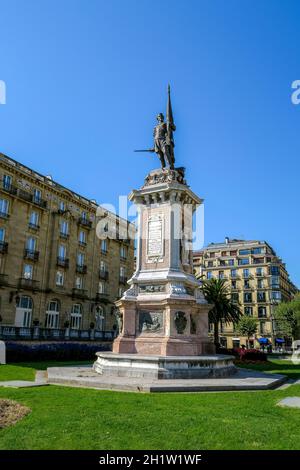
{"x":163,"y":137}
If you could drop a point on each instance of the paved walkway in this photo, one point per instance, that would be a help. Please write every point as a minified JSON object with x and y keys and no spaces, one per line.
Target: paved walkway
{"x":40,"y":379}
{"x":290,"y":402}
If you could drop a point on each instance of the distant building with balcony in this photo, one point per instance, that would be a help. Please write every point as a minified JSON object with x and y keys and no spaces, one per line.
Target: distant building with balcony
{"x":257,"y":279}
{"x":54,"y":270}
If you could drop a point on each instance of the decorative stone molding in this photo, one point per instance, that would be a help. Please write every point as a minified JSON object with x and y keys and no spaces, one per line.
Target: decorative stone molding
{"x":165,"y":176}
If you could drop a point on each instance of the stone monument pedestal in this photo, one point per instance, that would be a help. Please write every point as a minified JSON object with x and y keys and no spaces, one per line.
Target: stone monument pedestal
{"x":164,"y":367}
{"x":163,"y":316}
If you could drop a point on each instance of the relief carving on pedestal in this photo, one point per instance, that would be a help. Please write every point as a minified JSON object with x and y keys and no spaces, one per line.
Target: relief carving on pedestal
{"x":180,"y":322}
{"x":152,"y":289}
{"x":150,"y":322}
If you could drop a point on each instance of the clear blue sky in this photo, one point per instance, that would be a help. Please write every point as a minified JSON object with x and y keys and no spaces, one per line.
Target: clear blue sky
{"x":85,"y":80}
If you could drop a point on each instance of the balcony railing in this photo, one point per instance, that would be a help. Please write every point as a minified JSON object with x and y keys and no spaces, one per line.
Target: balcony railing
{"x":85,"y":222}
{"x":33,"y":226}
{"x":31,"y":254}
{"x":64,"y":235}
{"x":4,"y":215}
{"x":9,"y":188}
{"x":62,"y":262}
{"x":100,"y":296}
{"x":3,"y":247}
{"x":123,"y":280}
{"x":38,"y":333}
{"x":26,"y":196}
{"x":79,"y":293}
{"x":30,"y":284}
{"x":3,"y":279}
{"x":103,"y":275}
{"x":81,"y":268}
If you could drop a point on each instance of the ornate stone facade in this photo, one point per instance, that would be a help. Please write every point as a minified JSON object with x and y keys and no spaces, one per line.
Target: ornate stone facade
{"x":54,"y":270}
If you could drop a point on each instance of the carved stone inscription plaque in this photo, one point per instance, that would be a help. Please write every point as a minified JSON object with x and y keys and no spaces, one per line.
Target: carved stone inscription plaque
{"x":155,"y":235}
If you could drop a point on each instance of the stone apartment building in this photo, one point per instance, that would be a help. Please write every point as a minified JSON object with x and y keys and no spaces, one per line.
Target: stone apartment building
{"x":55,"y":271}
{"x":257,"y":279}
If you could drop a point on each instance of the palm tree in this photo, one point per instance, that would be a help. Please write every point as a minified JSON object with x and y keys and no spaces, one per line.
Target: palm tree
{"x":223,"y":308}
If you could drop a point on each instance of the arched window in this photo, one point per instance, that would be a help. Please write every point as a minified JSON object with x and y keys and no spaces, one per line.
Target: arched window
{"x":52,"y":314}
{"x":24,"y":308}
{"x":76,"y":316}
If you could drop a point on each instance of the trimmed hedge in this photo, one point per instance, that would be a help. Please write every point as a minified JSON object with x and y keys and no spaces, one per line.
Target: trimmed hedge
{"x":244,"y":354}
{"x":54,"y":351}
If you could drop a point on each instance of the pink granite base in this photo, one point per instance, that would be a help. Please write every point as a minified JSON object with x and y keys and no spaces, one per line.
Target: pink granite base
{"x":166,"y":346}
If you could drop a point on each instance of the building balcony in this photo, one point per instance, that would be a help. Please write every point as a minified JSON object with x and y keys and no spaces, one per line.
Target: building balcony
{"x":30,"y":284}
{"x":33,"y":226}
{"x":85,"y":222}
{"x":123,"y":280}
{"x":81,"y":268}
{"x":26,"y":196}
{"x":4,"y":215}
{"x":104,"y":275}
{"x":62,"y":262}
{"x":3,"y":280}
{"x":101,"y":296}
{"x":9,"y":188}
{"x":79,"y":293}
{"x":31,"y":254}
{"x":3,"y":247}
{"x":258,"y":261}
{"x":39,"y":202}
{"x":82,"y":244}
{"x":64,"y":235}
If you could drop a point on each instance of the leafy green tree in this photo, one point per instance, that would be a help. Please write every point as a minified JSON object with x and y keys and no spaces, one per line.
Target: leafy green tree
{"x":247,"y":326}
{"x":223,"y":308}
{"x":287,"y":318}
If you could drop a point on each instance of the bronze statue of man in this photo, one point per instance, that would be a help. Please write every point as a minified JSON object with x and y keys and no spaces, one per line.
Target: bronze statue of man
{"x":163,"y":137}
{"x":163,"y":141}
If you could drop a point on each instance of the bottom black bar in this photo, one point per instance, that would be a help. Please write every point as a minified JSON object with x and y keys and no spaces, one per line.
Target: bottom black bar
{"x":135,"y":459}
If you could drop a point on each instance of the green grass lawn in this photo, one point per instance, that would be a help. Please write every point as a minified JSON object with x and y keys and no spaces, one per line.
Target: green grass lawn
{"x":26,"y":370}
{"x":277,"y":366}
{"x":16,"y":372}
{"x":77,"y":418}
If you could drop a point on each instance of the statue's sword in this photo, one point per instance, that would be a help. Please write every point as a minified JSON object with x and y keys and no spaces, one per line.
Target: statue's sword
{"x":145,"y":150}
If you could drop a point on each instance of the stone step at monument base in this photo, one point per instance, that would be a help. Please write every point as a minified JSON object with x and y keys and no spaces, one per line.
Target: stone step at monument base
{"x":163,"y":367}
{"x":86,"y":377}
